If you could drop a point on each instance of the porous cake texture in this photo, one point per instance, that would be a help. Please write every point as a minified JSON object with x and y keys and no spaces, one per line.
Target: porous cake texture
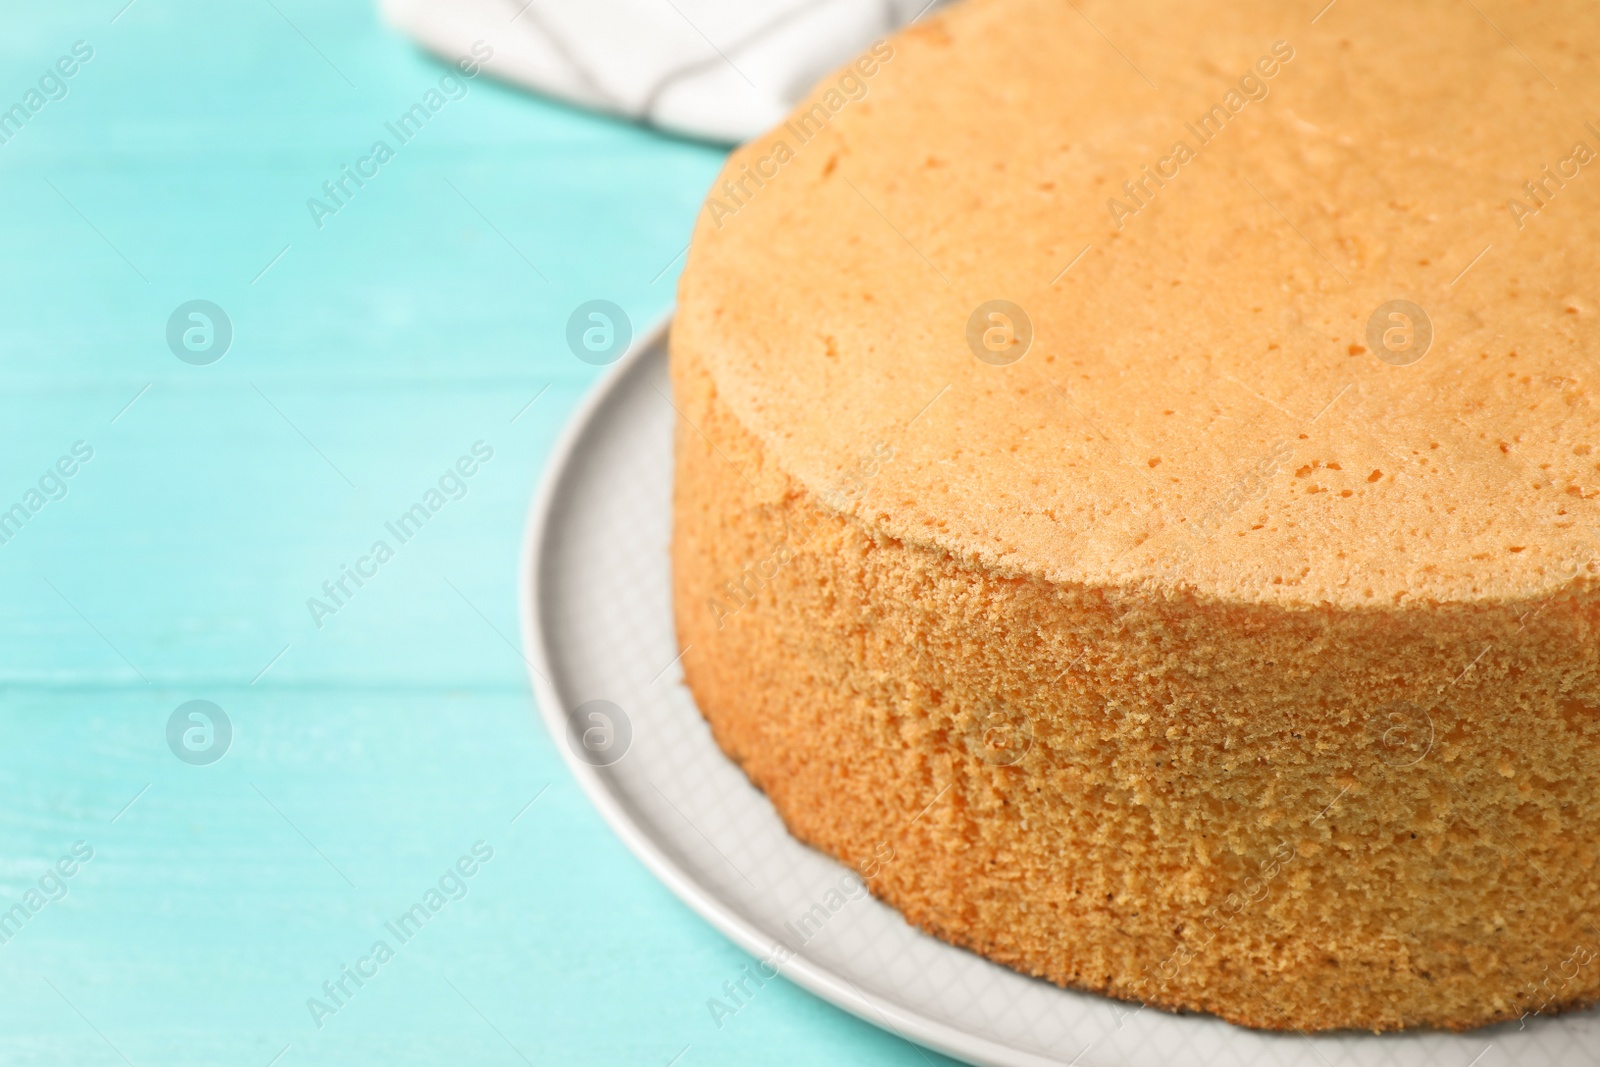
{"x":1136,"y":491}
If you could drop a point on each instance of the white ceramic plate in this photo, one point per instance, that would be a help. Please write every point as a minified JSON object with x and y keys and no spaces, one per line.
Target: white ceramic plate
{"x":597,"y":625}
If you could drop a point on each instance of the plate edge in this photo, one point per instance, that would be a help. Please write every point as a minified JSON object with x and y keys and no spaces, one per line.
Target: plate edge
{"x":815,"y":979}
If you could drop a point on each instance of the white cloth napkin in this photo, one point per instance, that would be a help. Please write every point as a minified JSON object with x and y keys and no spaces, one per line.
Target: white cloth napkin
{"x":722,"y":70}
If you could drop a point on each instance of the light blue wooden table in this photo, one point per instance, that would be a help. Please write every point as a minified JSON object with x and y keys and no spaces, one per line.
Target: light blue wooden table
{"x":371,"y":753}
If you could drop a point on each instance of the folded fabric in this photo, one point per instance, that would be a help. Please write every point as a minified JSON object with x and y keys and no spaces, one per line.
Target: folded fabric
{"x":721,"y":70}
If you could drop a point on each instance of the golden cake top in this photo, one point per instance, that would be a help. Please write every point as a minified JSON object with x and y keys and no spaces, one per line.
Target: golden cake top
{"x":1247,"y":300}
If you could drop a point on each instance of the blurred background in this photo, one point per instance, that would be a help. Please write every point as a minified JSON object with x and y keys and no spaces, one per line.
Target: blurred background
{"x":227,"y":763}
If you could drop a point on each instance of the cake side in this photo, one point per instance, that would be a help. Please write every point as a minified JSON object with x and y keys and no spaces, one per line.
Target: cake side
{"x":1308,"y":819}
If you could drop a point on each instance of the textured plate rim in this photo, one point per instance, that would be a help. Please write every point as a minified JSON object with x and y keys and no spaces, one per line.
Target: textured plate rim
{"x":816,"y":979}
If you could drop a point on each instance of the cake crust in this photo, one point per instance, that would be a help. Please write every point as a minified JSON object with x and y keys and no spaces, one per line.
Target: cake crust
{"x":1205,"y":655}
